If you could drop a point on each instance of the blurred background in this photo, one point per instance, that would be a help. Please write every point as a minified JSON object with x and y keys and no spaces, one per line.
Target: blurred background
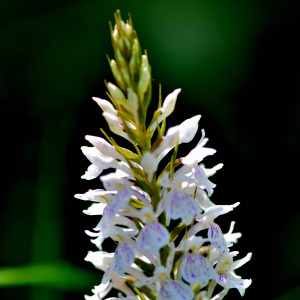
{"x":237,"y":63}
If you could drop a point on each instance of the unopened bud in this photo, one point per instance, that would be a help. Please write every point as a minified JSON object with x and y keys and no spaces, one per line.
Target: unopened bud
{"x":116,"y":93}
{"x":115,"y":37}
{"x":133,"y":103}
{"x":117,"y":74}
{"x":121,"y":24}
{"x":166,"y":109}
{"x":145,"y":62}
{"x":133,"y":65}
{"x":149,"y":164}
{"x":143,"y":82}
{"x":126,"y":77}
{"x":128,"y":31}
{"x":127,"y":47}
{"x":120,"y":59}
{"x":169,"y":104}
{"x":137,"y":49}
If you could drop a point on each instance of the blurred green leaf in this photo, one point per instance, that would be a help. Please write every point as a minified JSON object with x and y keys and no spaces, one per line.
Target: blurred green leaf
{"x":59,"y":274}
{"x":293,"y":294}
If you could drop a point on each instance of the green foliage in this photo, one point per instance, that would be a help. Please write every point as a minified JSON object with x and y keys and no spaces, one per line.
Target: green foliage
{"x":58,"y":274}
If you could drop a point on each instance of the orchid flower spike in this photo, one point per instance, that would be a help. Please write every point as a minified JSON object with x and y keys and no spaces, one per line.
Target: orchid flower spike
{"x":153,"y":203}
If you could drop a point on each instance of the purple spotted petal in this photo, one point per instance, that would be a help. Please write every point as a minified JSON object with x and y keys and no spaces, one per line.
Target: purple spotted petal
{"x":216,"y":237}
{"x":202,"y":180}
{"x":122,"y":200}
{"x":184,"y":207}
{"x":227,"y":281}
{"x":153,"y":236}
{"x":124,"y":256}
{"x":107,"y":218}
{"x":175,"y":290}
{"x":196,"y":269}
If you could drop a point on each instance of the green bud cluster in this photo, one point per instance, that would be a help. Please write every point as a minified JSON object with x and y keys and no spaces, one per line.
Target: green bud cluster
{"x":132,"y":73}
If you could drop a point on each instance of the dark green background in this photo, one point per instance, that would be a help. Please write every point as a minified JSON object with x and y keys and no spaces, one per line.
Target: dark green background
{"x":237,"y":63}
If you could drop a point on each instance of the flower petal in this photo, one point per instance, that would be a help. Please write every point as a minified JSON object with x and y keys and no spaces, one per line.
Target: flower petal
{"x":216,"y":237}
{"x":149,"y":165}
{"x":96,"y":157}
{"x":221,"y":295}
{"x":115,"y":125}
{"x":153,"y":236}
{"x":196,"y":269}
{"x":104,"y":147}
{"x":105,"y":105}
{"x":240,"y":262}
{"x":202,"y":180}
{"x":169,"y":141}
{"x":183,"y":206}
{"x":197,"y":155}
{"x":95,"y":209}
{"x":167,"y":108}
{"x":175,"y":290}
{"x":124,"y":256}
{"x":228,"y":281}
{"x":212,"y":171}
{"x":202,"y":199}
{"x":92,"y":172}
{"x":100,"y":259}
{"x":107,"y":218}
{"x":188,"y":129}
{"x":94,"y":195}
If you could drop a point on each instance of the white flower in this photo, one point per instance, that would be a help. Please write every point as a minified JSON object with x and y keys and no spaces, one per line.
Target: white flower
{"x":118,"y":282}
{"x":115,"y":125}
{"x":199,"y":152}
{"x":215,"y":234}
{"x":150,"y":161}
{"x":192,"y":160}
{"x":101,"y":162}
{"x":230,"y":238}
{"x":170,"y":289}
{"x":167,"y":108}
{"x":188,"y":129}
{"x":106,"y":106}
{"x":114,"y":182}
{"x":124,"y":252}
{"x":114,"y":203}
{"x":177,"y":203}
{"x":104,"y":147}
{"x":153,"y":236}
{"x":182,"y":133}
{"x":128,"y":227}
{"x":122,"y":259}
{"x":227,"y":278}
{"x":176,"y":290}
{"x":194,"y":267}
{"x":202,"y":199}
{"x":206,"y":220}
{"x":118,"y":262}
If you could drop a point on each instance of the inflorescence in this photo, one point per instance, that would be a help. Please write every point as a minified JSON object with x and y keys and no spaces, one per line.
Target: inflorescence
{"x":137,"y":204}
